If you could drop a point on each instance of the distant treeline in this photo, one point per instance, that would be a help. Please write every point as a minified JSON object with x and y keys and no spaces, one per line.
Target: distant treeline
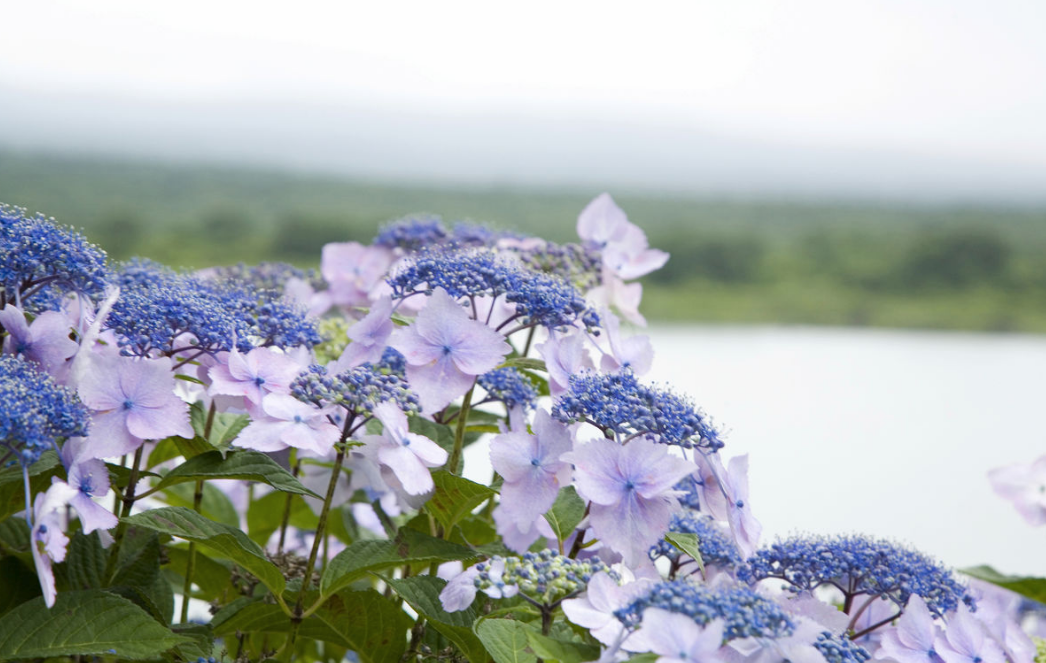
{"x":732,"y":260}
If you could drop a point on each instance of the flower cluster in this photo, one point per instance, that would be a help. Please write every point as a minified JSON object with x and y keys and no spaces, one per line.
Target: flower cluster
{"x":359,"y":390}
{"x":745,"y":613}
{"x":36,"y":411}
{"x":715,"y":546}
{"x":412,"y":233}
{"x":857,"y":565}
{"x":164,"y":311}
{"x":837,"y":649}
{"x":509,"y":386}
{"x":544,"y":577}
{"x":539,"y":299}
{"x":574,"y":263}
{"x":36,"y":256}
{"x":618,"y":403}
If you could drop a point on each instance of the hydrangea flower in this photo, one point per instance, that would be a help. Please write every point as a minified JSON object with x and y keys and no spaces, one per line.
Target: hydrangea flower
{"x":254,"y":374}
{"x":744,"y":612}
{"x":354,"y":271}
{"x":357,"y":390}
{"x":676,"y":638}
{"x":288,"y":422}
{"x":724,"y":495}
{"x":412,"y":233}
{"x":631,"y":490}
{"x":965,"y":640}
{"x":37,"y":255}
{"x":510,"y":386}
{"x":1025,"y":486}
{"x":36,"y":410}
{"x":46,"y":341}
{"x":618,"y":403}
{"x":408,"y":455}
{"x":445,"y":351}
{"x":596,"y":609}
{"x":840,"y":649}
{"x":89,"y":478}
{"x":369,"y":336}
{"x":133,"y":400}
{"x":715,"y":547}
{"x":858,"y":566}
{"x":47,"y":540}
{"x":912,"y":639}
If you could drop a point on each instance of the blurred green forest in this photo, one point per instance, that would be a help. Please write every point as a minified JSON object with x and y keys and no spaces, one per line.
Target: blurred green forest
{"x":733,"y":260}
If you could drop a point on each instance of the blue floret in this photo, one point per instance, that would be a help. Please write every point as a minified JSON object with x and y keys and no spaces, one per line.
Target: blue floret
{"x":36,"y":410}
{"x":857,"y":565}
{"x":744,"y":612}
{"x":618,"y":402}
{"x":509,"y":386}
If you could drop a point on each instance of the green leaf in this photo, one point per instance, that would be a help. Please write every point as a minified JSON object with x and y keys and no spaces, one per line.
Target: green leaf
{"x":85,"y":561}
{"x":47,"y":462}
{"x":455,"y":497}
{"x":90,"y":622}
{"x":507,"y":640}
{"x":566,"y":513}
{"x":189,"y":378}
{"x":201,"y":641}
{"x":422,"y":593}
{"x":409,"y":546}
{"x":210,"y":576}
{"x":686,"y":543}
{"x":246,"y":465}
{"x":365,"y":621}
{"x":551,"y":649}
{"x":265,"y":514}
{"x":528,"y":363}
{"x":228,"y":542}
{"x":19,"y":583}
{"x":215,"y":504}
{"x":1030,"y":587}
{"x":12,"y":494}
{"x":14,"y":534}
{"x":164,"y":450}
{"x":225,"y":426}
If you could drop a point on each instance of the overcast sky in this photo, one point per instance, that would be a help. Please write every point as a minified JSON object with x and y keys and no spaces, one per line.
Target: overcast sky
{"x":944,"y":97}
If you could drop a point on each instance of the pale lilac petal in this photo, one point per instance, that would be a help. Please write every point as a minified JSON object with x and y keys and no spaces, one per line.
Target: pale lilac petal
{"x":602,"y":221}
{"x":156,"y":423}
{"x":460,"y":592}
{"x":651,"y":468}
{"x":915,"y":628}
{"x":369,"y":336}
{"x":416,"y":350}
{"x":430,"y":453}
{"x":93,"y":515}
{"x":438,"y":384}
{"x":411,"y":472}
{"x":109,"y":436}
{"x":511,"y":455}
{"x":263,"y":435}
{"x":596,"y":474}
{"x":632,"y":526}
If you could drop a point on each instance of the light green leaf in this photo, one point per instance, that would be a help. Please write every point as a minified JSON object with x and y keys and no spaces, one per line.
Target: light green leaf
{"x":215,"y":504}
{"x":409,"y":546}
{"x":551,"y":649}
{"x":1030,"y":587}
{"x":90,"y":622}
{"x":528,"y":363}
{"x":455,"y":498}
{"x":245,"y":465}
{"x":229,"y":542}
{"x":686,"y":543}
{"x":422,"y":593}
{"x":566,"y":513}
{"x":507,"y":640}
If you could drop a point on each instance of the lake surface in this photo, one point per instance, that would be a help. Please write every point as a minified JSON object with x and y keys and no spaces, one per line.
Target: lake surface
{"x":888,"y":433}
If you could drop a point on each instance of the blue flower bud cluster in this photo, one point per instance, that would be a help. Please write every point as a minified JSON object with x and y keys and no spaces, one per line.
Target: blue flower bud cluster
{"x":466,"y":234}
{"x":36,"y":410}
{"x":618,"y":402}
{"x":412,"y":233}
{"x":157,"y":305}
{"x":716,"y":548}
{"x":857,"y":565}
{"x":578,"y":265}
{"x":509,"y":386}
{"x":359,"y":390}
{"x":840,"y":650}
{"x":540,"y":299}
{"x":36,"y":254}
{"x":744,"y":612}
{"x":690,"y":495}
{"x":544,"y":577}
{"x":266,"y":275}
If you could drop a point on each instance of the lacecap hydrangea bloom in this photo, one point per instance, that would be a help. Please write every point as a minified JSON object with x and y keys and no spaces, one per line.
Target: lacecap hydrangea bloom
{"x":36,"y":411}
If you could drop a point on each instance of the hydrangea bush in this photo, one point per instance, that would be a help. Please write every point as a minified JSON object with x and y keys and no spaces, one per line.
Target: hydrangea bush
{"x":260,"y":462}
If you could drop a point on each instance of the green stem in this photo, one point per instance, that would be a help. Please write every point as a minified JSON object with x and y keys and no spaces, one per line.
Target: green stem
{"x":298,"y":614}
{"x":128,"y":503}
{"x":530,"y":338}
{"x":287,"y":506}
{"x":190,"y":564}
{"x":459,"y":432}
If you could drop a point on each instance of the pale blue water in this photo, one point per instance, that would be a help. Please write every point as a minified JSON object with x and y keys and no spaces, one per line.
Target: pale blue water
{"x":889,"y":433}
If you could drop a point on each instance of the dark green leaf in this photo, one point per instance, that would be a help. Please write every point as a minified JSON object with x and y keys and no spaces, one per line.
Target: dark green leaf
{"x":47,"y":462}
{"x":19,"y":583}
{"x":566,"y":513}
{"x":455,"y":497}
{"x":246,"y":465}
{"x":215,"y":504}
{"x":422,"y":593}
{"x":507,"y":640}
{"x":210,"y":576}
{"x":228,"y":542}
{"x":201,"y":641}
{"x":12,"y":493}
{"x":1030,"y":587}
{"x":687,"y":543}
{"x":85,"y":561}
{"x":14,"y":535}
{"x":90,"y":622}
{"x":409,"y":546}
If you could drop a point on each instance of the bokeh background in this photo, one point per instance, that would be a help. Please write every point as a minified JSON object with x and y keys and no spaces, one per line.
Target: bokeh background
{"x":829,"y":177}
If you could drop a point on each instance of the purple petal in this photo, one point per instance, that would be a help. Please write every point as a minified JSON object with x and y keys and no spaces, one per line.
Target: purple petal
{"x":632,"y":526}
{"x":596,"y":473}
{"x":438,"y":384}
